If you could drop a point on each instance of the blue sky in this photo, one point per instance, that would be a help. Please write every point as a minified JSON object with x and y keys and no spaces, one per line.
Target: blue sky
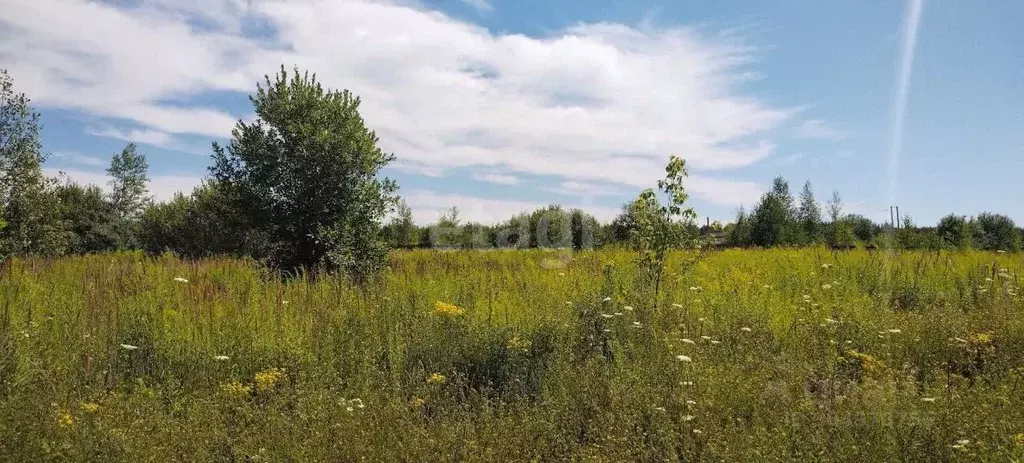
{"x":500,"y":106}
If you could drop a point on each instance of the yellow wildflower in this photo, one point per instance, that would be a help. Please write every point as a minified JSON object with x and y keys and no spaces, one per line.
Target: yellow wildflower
{"x":267,"y":380}
{"x":90,"y":407}
{"x":869,"y":365}
{"x":446,"y":309}
{"x":436,"y":378}
{"x":65,"y":420}
{"x":235,"y":389}
{"x":417,"y":402}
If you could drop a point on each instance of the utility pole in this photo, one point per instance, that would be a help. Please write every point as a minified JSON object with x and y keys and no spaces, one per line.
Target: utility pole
{"x":892,"y":219}
{"x":898,"y":223}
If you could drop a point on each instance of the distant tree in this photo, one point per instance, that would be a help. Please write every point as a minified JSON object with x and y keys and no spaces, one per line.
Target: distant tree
{"x":128,"y":192}
{"x":739,"y":232}
{"x":773,"y":220}
{"x":996,"y":232}
{"x":304,"y":174}
{"x":201,"y":224}
{"x":954,"y":231}
{"x":586,"y":231}
{"x":839,"y":233}
{"x":446,"y":233}
{"x":862,"y":227}
{"x":402,"y":231}
{"x":809,"y":216}
{"x":89,"y":217}
{"x":29,"y":203}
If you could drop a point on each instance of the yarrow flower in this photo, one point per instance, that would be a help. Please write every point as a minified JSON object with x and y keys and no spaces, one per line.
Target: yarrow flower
{"x":928,"y":399}
{"x":687,"y":341}
{"x":606,"y":299}
{"x":628,"y":307}
{"x":180,"y":280}
{"x":826,"y":286}
{"x":221,"y":358}
{"x":683,"y":358}
{"x":129,"y":347}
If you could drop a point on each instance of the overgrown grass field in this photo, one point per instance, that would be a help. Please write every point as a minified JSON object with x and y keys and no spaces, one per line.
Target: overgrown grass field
{"x":748,"y":355}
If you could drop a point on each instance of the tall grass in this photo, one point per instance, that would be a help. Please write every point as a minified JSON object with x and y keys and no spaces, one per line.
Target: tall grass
{"x":516,"y":355}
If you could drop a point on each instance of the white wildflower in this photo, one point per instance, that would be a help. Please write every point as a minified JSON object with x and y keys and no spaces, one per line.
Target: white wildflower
{"x":895,"y":330}
{"x":606,"y":299}
{"x":180,"y":280}
{"x":678,"y":306}
{"x":618,"y":314}
{"x":691,"y":402}
{"x":221,"y":358}
{"x":683,"y":358}
{"x":928,"y":399}
{"x":129,"y":347}
{"x":698,"y":432}
{"x":826,"y":265}
{"x":660,"y":409}
{"x":694,"y":288}
{"x":715,"y":342}
{"x":688,"y":418}
{"x":628,"y":307}
{"x":706,"y":338}
{"x":607,"y":315}
{"x":687,"y":383}
{"x":687,"y":341}
{"x":831,"y":321}
{"x":826,"y":286}
{"x":745,"y":329}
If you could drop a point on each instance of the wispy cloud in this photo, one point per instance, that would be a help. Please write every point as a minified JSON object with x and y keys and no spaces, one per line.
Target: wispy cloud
{"x":495,"y":177}
{"x":161,"y":187}
{"x":599,"y":102}
{"x":150,"y":137}
{"x":816,"y":129}
{"x":81,"y":159}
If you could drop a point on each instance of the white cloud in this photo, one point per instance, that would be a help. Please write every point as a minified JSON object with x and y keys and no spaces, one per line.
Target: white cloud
{"x":498,"y":178}
{"x":161,"y":187}
{"x":479,"y":5}
{"x":818,"y":129}
{"x":427,"y":206}
{"x":723,"y":191}
{"x":598,"y":102}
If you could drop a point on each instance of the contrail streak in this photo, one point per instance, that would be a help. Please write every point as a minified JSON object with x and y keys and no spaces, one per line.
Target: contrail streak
{"x":902,"y":87}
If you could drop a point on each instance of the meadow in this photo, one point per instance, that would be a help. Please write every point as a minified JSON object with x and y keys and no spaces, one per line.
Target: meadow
{"x":747,"y":355}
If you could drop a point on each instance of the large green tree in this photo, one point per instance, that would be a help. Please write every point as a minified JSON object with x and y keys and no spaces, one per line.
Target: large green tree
{"x":304,"y":174}
{"x":29,"y":203}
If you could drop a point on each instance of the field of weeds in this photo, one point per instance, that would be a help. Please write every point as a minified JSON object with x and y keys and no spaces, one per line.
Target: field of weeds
{"x":748,"y":355}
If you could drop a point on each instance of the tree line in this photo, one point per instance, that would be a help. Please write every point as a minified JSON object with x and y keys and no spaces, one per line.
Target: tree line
{"x":299,"y":189}
{"x":779,"y":220}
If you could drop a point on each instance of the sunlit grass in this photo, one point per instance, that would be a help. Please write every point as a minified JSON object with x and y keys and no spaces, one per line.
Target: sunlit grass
{"x":516,"y":355}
